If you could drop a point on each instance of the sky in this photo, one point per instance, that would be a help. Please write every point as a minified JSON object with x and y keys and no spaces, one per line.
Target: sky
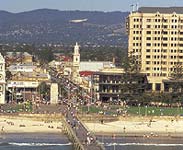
{"x":92,"y":5}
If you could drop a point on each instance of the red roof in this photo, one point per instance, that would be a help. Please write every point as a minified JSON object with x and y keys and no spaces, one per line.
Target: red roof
{"x":66,"y":58}
{"x":86,"y":73}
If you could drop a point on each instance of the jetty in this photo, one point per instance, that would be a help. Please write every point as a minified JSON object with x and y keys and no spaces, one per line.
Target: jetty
{"x":77,"y":133}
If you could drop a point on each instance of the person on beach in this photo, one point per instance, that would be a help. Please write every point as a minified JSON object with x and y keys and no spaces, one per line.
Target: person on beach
{"x":2,"y":129}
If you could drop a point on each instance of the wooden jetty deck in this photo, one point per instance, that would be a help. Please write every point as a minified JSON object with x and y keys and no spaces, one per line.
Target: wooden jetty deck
{"x":78,"y":134}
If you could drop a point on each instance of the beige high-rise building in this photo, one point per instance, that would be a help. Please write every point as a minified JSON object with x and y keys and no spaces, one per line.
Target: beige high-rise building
{"x":156,"y":40}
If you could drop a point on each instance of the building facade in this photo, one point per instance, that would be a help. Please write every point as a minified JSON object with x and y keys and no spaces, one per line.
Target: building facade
{"x":2,"y":80}
{"x":54,"y":93}
{"x":27,"y":84}
{"x":156,"y":41}
{"x":108,"y":84}
{"x":18,"y":57}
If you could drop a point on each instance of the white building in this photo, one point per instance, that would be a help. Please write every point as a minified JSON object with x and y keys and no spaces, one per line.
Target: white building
{"x":27,"y":67}
{"x":95,"y":65}
{"x":54,"y":93}
{"x":2,"y":80}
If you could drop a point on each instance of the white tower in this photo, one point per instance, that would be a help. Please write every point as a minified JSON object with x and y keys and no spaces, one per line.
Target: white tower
{"x":2,"y":80}
{"x":76,"y":63}
{"x":76,"y":55}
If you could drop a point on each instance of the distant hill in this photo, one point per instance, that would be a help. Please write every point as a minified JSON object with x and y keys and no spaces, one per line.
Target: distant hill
{"x":54,"y":26}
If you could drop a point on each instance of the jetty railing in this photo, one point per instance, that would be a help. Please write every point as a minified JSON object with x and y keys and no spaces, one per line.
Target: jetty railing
{"x":99,"y":144}
{"x":71,"y":135}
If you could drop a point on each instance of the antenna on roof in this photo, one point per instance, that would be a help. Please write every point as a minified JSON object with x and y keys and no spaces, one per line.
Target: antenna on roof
{"x":137,"y":6}
{"x":132,"y":7}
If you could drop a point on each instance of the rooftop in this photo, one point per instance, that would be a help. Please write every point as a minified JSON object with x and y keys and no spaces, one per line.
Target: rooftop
{"x":163,"y":10}
{"x":17,"y":53}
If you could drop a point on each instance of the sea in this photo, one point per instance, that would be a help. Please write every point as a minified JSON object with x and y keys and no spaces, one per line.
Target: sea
{"x":52,"y":141}
{"x":141,"y":143}
{"x":34,"y":141}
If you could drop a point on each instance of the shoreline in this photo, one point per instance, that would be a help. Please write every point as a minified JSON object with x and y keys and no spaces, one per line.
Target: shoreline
{"x":140,"y":135}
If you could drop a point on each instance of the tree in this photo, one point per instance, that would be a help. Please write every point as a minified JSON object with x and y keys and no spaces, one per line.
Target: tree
{"x":176,"y":83}
{"x":177,"y":78}
{"x":130,"y":64}
{"x":177,"y":72}
{"x":44,"y":89}
{"x":133,"y":82}
{"x":8,"y":75}
{"x":45,"y":55}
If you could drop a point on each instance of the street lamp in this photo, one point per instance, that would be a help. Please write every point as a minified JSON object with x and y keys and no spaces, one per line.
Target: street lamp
{"x":146,"y":110}
{"x":139,"y":108}
{"x":118,"y":98}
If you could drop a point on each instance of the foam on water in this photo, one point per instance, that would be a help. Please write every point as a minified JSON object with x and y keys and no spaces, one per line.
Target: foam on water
{"x":142,"y":144}
{"x":37,"y":144}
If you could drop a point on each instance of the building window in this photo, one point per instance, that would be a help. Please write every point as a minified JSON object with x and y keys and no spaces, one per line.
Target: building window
{"x":148,"y":38}
{"x":165,"y":45}
{"x":158,"y":86}
{"x":165,"y":32}
{"x":147,"y":68}
{"x":1,"y":67}
{"x":165,"y":20}
{"x":148,"y":44}
{"x":148,"y":20}
{"x":148,"y":50}
{"x":165,"y":26}
{"x":164,"y":38}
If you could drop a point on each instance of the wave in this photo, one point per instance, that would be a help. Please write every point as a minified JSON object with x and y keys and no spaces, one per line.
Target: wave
{"x":34,"y":144}
{"x":142,"y":144}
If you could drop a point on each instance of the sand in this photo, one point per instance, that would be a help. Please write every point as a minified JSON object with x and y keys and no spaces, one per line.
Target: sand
{"x":140,"y":127}
{"x":133,"y":126}
{"x":26,"y":125}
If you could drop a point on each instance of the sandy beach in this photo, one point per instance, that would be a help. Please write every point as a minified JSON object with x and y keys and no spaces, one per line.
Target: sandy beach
{"x":136,"y":126}
{"x":28,"y":125}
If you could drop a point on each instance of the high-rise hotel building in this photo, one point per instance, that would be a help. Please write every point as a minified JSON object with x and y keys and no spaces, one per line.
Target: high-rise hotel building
{"x":156,"y":41}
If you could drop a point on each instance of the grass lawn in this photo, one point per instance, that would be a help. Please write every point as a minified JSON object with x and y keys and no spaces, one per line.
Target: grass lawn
{"x":155,"y":111}
{"x":149,"y":111}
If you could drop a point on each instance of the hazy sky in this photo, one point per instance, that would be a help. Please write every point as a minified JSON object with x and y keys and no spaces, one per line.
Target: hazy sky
{"x":99,"y":5}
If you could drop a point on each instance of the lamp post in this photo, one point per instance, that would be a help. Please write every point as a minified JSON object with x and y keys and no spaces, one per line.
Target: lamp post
{"x":146,"y":110}
{"x":118,"y":98}
{"x":139,"y":108}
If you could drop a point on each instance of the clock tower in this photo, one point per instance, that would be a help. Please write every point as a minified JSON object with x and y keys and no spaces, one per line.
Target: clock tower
{"x":2,"y":79}
{"x":76,"y":63}
{"x":76,"y":56}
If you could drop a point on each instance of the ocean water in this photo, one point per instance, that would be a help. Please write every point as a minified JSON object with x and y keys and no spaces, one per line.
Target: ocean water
{"x":32,"y":141}
{"x":132,"y":143}
{"x":49,"y":141}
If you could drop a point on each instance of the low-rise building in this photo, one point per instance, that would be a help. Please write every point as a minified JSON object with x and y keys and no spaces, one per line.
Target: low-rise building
{"x":26,"y":67}
{"x":107,"y":84}
{"x":18,"y":57}
{"x":27,"y":84}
